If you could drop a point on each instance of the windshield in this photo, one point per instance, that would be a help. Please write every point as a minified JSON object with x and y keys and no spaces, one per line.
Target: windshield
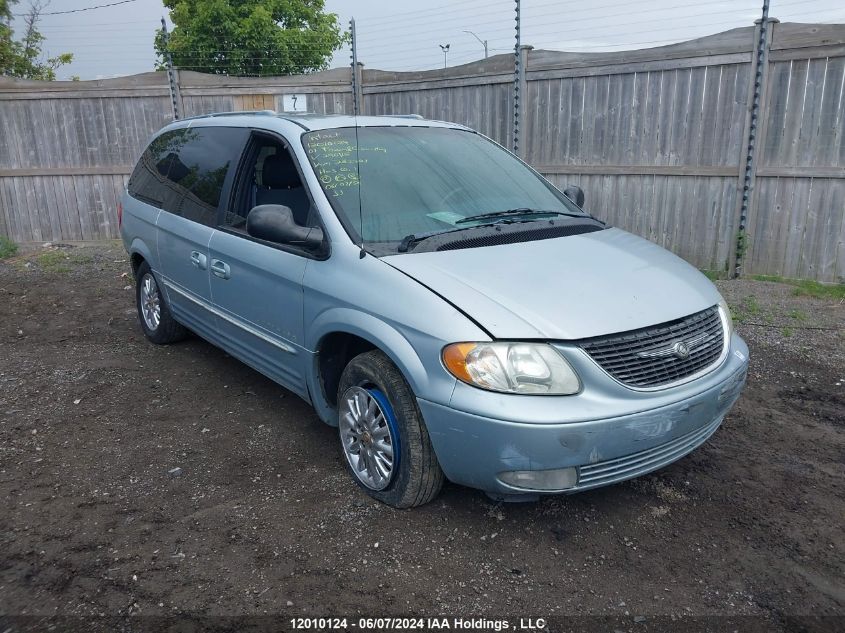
{"x":421,"y":180}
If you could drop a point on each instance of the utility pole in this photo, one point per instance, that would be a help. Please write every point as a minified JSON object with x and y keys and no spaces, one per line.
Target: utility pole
{"x":483,"y":42}
{"x":445,"y":49}
{"x":171,"y":75}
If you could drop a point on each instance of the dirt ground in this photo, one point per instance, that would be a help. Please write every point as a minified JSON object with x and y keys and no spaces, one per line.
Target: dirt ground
{"x":264,"y":520}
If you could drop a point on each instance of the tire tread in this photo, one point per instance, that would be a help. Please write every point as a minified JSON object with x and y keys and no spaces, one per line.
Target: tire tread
{"x":421,"y":482}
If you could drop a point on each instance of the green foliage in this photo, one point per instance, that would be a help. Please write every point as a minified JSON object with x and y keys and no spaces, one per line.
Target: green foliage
{"x":807,"y":288}
{"x":714,"y":275}
{"x":741,"y":244}
{"x":7,"y":247}
{"x":819,"y":291}
{"x":22,"y":58}
{"x":250,"y":37}
{"x":751,"y":305}
{"x":59,"y":261}
{"x":53,"y":262}
{"x":749,"y":309}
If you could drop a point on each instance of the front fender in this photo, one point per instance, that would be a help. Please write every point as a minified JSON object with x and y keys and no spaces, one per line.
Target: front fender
{"x":425,"y":376}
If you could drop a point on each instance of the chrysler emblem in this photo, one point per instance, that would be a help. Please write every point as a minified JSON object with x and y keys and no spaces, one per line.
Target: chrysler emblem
{"x":681,"y":350}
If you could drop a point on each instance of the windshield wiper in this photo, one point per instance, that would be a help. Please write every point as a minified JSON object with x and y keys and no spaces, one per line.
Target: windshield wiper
{"x":500,"y":216}
{"x":517,"y":213}
{"x":413,"y":238}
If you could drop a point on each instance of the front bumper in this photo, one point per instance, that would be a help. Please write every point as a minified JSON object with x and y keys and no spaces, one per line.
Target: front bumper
{"x":474,"y":449}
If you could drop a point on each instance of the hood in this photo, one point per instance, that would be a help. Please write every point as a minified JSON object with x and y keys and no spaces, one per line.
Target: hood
{"x":565,"y":288}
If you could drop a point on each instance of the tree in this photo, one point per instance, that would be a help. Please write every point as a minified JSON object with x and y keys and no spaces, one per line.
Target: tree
{"x":23,"y":58}
{"x":250,"y":37}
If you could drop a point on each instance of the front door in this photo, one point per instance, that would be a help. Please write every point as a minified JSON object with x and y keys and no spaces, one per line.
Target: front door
{"x":256,"y":286}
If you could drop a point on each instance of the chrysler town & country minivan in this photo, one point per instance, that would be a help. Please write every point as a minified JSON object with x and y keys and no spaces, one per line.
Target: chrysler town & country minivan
{"x":450,"y":311}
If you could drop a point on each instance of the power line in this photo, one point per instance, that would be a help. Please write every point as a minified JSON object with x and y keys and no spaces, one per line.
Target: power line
{"x":99,"y":6}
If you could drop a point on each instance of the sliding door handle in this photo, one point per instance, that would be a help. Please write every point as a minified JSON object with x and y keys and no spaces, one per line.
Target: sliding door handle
{"x":199,"y":260}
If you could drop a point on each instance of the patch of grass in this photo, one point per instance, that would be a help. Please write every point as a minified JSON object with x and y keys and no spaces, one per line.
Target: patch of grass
{"x":749,"y":309}
{"x":751,"y":305}
{"x":59,"y":261}
{"x":79,"y":258}
{"x":819,"y":291}
{"x":786,"y":331}
{"x":714,"y":275}
{"x":807,"y":288}
{"x":798,"y":315}
{"x":7,"y":247}
{"x":53,"y":262}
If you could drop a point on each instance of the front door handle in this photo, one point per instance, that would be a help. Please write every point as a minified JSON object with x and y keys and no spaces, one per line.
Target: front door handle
{"x":221,"y":268}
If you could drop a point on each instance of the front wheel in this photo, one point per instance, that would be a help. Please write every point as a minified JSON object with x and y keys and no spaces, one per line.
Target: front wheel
{"x":384,"y":440}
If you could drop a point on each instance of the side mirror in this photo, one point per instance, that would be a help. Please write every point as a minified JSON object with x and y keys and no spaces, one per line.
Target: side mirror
{"x":274,"y":223}
{"x":576,"y":194}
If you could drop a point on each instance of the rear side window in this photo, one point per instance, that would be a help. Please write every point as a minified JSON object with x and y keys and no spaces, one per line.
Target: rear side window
{"x":148,"y":182}
{"x":184,"y":171}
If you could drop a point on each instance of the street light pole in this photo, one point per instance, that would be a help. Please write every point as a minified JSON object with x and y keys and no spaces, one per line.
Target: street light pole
{"x":445,"y":49}
{"x":483,"y":42}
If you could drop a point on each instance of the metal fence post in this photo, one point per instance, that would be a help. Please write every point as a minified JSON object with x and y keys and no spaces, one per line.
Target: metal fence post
{"x":524,"y":109}
{"x":173,"y":82}
{"x":357,"y":73}
{"x":517,"y":81}
{"x":754,"y":123}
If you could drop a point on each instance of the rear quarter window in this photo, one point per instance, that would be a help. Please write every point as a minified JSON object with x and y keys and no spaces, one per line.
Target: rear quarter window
{"x":184,"y":171}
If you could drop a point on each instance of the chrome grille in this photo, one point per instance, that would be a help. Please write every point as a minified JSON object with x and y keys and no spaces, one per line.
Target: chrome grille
{"x":661,"y":354}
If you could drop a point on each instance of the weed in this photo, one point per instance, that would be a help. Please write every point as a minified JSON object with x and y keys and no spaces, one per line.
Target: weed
{"x":53,"y":262}
{"x":7,"y":247}
{"x":714,"y":275}
{"x":819,"y":291}
{"x":807,"y":288}
{"x":751,"y":305}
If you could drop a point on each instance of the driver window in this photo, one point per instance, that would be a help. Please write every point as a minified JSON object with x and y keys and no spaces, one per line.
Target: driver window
{"x":270,"y":177}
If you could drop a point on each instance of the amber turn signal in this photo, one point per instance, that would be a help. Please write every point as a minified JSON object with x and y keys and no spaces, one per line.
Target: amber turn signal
{"x":455,"y":360}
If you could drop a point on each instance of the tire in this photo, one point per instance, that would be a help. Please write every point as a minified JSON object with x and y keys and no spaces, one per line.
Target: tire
{"x":163,"y":330}
{"x":415,"y":477}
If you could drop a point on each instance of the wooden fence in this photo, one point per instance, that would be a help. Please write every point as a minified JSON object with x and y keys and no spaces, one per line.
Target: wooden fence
{"x":657,"y":138}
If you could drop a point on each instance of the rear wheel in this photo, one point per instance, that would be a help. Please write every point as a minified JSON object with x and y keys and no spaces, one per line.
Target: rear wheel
{"x":156,"y":321}
{"x":384,"y":440}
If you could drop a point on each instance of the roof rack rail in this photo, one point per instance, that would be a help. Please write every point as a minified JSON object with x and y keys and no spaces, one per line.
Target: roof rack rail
{"x":417,"y":117}
{"x":240,"y":113}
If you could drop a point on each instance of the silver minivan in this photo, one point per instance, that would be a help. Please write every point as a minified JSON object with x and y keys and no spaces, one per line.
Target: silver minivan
{"x":450,"y":311}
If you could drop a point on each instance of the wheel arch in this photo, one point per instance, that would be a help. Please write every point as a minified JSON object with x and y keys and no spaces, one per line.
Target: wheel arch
{"x":139,"y":253}
{"x":339,"y":335}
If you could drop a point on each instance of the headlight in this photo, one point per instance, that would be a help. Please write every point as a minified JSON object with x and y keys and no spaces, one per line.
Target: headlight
{"x":726,"y":311}
{"x":534,"y":368}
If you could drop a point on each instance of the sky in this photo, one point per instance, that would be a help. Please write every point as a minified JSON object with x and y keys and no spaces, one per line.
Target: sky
{"x":403,"y":35}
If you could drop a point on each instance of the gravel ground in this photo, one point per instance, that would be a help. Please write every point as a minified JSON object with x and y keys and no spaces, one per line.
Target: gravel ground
{"x":262,"y":519}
